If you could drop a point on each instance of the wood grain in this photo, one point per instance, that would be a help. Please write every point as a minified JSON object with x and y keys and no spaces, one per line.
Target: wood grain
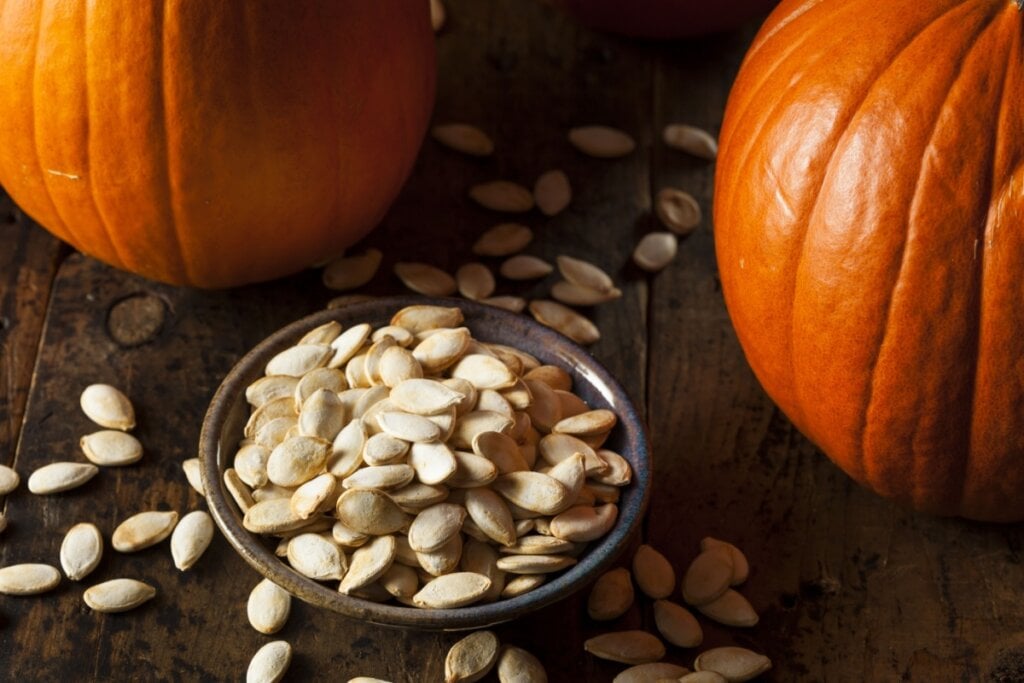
{"x":849,"y":587}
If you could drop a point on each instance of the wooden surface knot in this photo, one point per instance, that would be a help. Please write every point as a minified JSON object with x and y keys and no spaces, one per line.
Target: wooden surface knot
{"x":136,"y":319}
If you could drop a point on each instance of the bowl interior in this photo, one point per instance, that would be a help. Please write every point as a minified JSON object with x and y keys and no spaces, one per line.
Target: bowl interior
{"x":228,"y":412}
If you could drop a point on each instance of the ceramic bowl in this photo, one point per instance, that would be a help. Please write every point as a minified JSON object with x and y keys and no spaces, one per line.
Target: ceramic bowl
{"x":228,"y":411}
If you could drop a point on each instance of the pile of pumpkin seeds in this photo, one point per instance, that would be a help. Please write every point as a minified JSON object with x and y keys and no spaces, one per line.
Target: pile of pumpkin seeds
{"x":416,"y":463}
{"x":82,"y":547}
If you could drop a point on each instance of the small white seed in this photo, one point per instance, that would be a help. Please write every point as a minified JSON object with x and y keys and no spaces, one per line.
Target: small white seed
{"x":452,"y":590}
{"x":425,"y":279}
{"x":678,"y":210}
{"x":602,"y":142}
{"x":654,"y":574}
{"x":268,"y":607}
{"x":471,"y":658}
{"x":655,"y":251}
{"x":516,"y":665}
{"x":191,"y":538}
{"x":270,"y":663}
{"x":143,"y":530}
{"x":502,"y":195}
{"x":552,"y":192}
{"x":677,"y":625}
{"x":108,"y":407}
{"x":111,"y":448}
{"x":462,"y":137}
{"x":691,"y":140}
{"x":28,"y":579}
{"x":504,"y":239}
{"x":735,"y":664}
{"x":611,"y":596}
{"x":626,"y":647}
{"x":118,"y":595}
{"x":60,"y":476}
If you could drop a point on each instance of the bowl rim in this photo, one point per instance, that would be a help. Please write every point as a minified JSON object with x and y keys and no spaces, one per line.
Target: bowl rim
{"x":253,"y":550}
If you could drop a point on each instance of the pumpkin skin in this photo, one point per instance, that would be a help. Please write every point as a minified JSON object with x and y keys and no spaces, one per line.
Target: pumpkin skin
{"x":869,"y":209}
{"x":661,"y":19}
{"x":211,"y":143}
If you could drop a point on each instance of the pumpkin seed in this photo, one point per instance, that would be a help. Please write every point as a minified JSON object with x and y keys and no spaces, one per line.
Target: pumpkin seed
{"x":534,"y":564}
{"x":500,"y":449}
{"x":370,"y":679}
{"x":190,"y":538}
{"x":9,"y":480}
{"x":589,"y":423}
{"x":297,"y":460}
{"x":471,"y":471}
{"x":296,"y":361}
{"x":108,"y":407}
{"x":379,"y":477}
{"x":270,"y":663}
{"x":480,"y":557}
{"x":570,"y":403}
{"x":437,"y":19}
{"x":678,"y":210}
{"x":502,"y":195}
{"x":516,"y":665}
{"x":267,"y":389}
{"x":491,"y":514}
{"x":477,"y":422}
{"x":435,"y":526}
{"x":524,"y":267}
{"x":452,"y":590}
{"x":331,"y":379}
{"x":402,"y":336}
{"x":118,"y":595}
{"x":474,"y":281}
{"x":251,"y":464}
{"x":690,"y":139}
{"x":524,"y":583}
{"x":60,"y":476}
{"x":268,"y":607}
{"x":348,"y":344}
{"x":409,"y":427}
{"x":322,"y":416}
{"x":571,"y":473}
{"x":735,"y":664}
{"x":352,"y":272}
{"x":398,"y":365}
{"x":348,"y":300}
{"x":708,"y":576}
{"x":316,"y":557}
{"x":730,"y":608}
{"x":462,"y":137}
{"x":564,"y":320}
{"x":576,"y":295}
{"x":272,"y":516}
{"x":444,"y":560}
{"x":424,"y":396}
{"x":143,"y":530}
{"x":651,"y":673}
{"x":369,"y":563}
{"x":383,"y":449}
{"x":555,"y":377}
{"x":655,"y":251}
{"x":626,"y":647}
{"x":439,"y":351}
{"x":504,"y":239}
{"x":654,"y":574}
{"x":539,"y":545}
{"x":703,"y":677}
{"x":418,"y":318}
{"x":239,"y":491}
{"x":619,"y":472}
{"x":471,"y":658}
{"x":28,"y":579}
{"x":370,"y":512}
{"x":602,"y":142}
{"x":346,"y":537}
{"x":514,"y":304}
{"x":483,"y":372}
{"x":81,"y":550}
{"x":418,"y":495}
{"x":111,"y":448}
{"x":433,"y":462}
{"x":740,"y":566}
{"x":677,"y":625}
{"x":555,"y":448}
{"x":611,"y":596}
{"x":322,"y":334}
{"x":274,"y":432}
{"x":400,"y":581}
{"x":425,"y":279}
{"x":584,"y":523}
{"x":552,"y":192}
{"x":585,"y":274}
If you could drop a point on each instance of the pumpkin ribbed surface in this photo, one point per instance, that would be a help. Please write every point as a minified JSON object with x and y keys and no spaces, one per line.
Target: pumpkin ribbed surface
{"x":211,"y":143}
{"x":869,"y":227}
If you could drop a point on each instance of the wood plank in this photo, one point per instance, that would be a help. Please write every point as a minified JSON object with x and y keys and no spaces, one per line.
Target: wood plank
{"x":28,"y":262}
{"x":849,"y":587}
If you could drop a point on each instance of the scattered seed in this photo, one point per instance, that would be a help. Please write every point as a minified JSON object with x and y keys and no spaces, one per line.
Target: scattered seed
{"x":626,"y":647}
{"x":437,"y":15}
{"x":143,"y":530}
{"x":735,"y":664}
{"x":190,"y":538}
{"x":118,"y":595}
{"x":565,"y":320}
{"x":60,"y":476}
{"x":654,"y":574}
{"x":651,"y":673}
{"x":655,"y":251}
{"x":611,"y":596}
{"x":552,"y":192}
{"x":475,"y":281}
{"x":471,"y":658}
{"x":678,"y":210}
{"x":703,"y":677}
{"x":584,"y":274}
{"x":463,"y":137}
{"x":9,"y":480}
{"x":677,"y":625}
{"x":268,"y":607}
{"x":351,"y":272}
{"x":270,"y":663}
{"x":740,"y":566}
{"x":28,"y":579}
{"x":516,"y":665}
{"x":111,"y":448}
{"x":502,"y":195}
{"x":602,"y":142}
{"x":708,"y":577}
{"x":577,"y":295}
{"x":731,"y":609}
{"x":525,"y":267}
{"x":425,"y":279}
{"x":690,"y":139}
{"x":514,"y":304}
{"x":504,"y":239}
{"x":108,"y":407}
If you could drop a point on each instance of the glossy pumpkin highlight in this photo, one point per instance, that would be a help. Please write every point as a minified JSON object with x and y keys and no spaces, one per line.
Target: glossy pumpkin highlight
{"x":868,"y":225}
{"x":211,"y":143}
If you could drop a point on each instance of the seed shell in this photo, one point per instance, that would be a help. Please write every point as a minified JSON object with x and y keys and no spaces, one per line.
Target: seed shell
{"x":626,"y":647}
{"x":731,"y":609}
{"x":111,"y":448}
{"x":81,"y":550}
{"x":678,"y":210}
{"x":708,"y":576}
{"x":516,"y":665}
{"x":475,"y":281}
{"x":654,"y":574}
{"x":504,"y":239}
{"x":270,"y":663}
{"x":190,"y":538}
{"x":108,"y":407}
{"x":690,"y":139}
{"x":552,"y":192}
{"x":655,"y":251}
{"x":452,"y":590}
{"x":463,"y":137}
{"x":143,"y":530}
{"x":735,"y":664}
{"x":28,"y":579}
{"x":565,"y":320}
{"x":502,"y":195}
{"x":268,"y":607}
{"x":651,"y":673}
{"x":602,"y":142}
{"x":611,"y":596}
{"x":369,"y":563}
{"x":425,"y":279}
{"x":471,"y":658}
{"x":9,"y":480}
{"x":118,"y":595}
{"x":60,"y":476}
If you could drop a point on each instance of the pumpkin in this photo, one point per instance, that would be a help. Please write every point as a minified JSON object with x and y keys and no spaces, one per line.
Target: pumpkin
{"x":665,"y":18}
{"x":211,"y":143}
{"x":869,"y":229}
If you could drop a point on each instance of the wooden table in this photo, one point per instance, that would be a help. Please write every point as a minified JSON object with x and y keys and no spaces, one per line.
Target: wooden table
{"x":848,"y":586}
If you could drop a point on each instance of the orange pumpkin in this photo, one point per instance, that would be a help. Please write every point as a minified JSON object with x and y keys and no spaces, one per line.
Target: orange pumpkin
{"x":869,"y":227}
{"x":211,"y":143}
